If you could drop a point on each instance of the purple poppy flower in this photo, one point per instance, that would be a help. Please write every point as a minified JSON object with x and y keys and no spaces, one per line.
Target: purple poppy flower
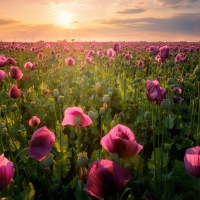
{"x":164,"y":52}
{"x":3,"y":60}
{"x":117,"y":47}
{"x":192,"y":161}
{"x":154,"y":92}
{"x":121,"y":140}
{"x":6,"y":171}
{"x":34,"y":121}
{"x":2,"y":75}
{"x":14,"y":92}
{"x":69,"y":61}
{"x":106,"y":178}
{"x":15,"y":73}
{"x":41,"y":143}
{"x":177,"y":99}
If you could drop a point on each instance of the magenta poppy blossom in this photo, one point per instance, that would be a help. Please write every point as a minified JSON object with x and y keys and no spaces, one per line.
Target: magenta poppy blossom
{"x":159,"y":60}
{"x":192,"y":161}
{"x":28,"y":65}
{"x":88,"y":60}
{"x":180,"y":58}
{"x":14,"y":92}
{"x":34,"y":121}
{"x":41,"y":143}
{"x":15,"y":73}
{"x":110,"y":52}
{"x":154,"y":92}
{"x":3,"y":60}
{"x":153,"y":49}
{"x":2,"y":75}
{"x":117,"y":47}
{"x":69,"y":61}
{"x":128,"y":56}
{"x":164,"y":52}
{"x":11,"y":61}
{"x":74,"y":116}
{"x":121,"y":140}
{"x":106,"y":178}
{"x":6,"y":171}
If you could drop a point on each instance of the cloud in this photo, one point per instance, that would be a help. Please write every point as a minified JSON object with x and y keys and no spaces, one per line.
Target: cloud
{"x":179,"y":23}
{"x":176,"y":3}
{"x":8,"y":22}
{"x":131,"y":11}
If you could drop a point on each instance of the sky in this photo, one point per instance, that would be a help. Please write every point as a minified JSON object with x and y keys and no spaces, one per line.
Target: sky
{"x":100,"y":20}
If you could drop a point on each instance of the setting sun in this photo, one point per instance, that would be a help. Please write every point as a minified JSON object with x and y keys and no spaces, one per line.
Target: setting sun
{"x":65,"y":18}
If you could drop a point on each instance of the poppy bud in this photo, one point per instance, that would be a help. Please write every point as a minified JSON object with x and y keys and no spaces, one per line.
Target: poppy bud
{"x":167,"y":147}
{"x":102,"y":111}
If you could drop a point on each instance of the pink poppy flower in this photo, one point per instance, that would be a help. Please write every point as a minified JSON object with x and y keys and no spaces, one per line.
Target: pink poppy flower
{"x":69,"y":61}
{"x":46,"y":91}
{"x":2,"y":75}
{"x":192,"y":161}
{"x":6,"y":171}
{"x":180,"y":58}
{"x":74,"y":116}
{"x":3,"y":60}
{"x":154,"y":92}
{"x":128,"y":56}
{"x":41,"y":143}
{"x":34,"y":121}
{"x":164,"y":52}
{"x":106,"y":178}
{"x":110,"y":52}
{"x":28,"y":65}
{"x":117,"y":47}
{"x":15,"y":73}
{"x":11,"y":61}
{"x":121,"y":140}
{"x":88,"y":60}
{"x":14,"y":92}
{"x":153,"y":49}
{"x":159,"y":59}
{"x":40,"y":55}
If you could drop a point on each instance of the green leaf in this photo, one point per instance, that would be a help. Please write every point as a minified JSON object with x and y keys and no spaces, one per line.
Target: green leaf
{"x":155,"y":160}
{"x":61,"y":144}
{"x":28,"y":193}
{"x":169,"y":120}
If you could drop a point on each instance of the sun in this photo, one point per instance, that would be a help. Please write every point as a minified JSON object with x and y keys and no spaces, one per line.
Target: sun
{"x":65,"y":18}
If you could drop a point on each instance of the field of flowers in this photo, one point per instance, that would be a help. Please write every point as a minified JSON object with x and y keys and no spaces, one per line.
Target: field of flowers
{"x":99,"y":120}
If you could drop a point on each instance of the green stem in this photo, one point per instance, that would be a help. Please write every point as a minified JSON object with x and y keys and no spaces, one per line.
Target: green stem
{"x":49,"y":186}
{"x":1,"y":143}
{"x":124,"y":192}
{"x":198,"y":112}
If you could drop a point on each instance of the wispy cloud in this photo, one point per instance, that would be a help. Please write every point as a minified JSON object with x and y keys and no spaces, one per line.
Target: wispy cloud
{"x":131,"y":11}
{"x":8,"y":22}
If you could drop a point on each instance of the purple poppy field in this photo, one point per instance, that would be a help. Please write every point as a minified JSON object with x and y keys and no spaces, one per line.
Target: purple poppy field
{"x":100,"y":120}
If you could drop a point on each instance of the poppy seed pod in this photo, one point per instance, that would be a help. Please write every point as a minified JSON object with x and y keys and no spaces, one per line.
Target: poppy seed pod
{"x":165,"y":104}
{"x":147,"y":115}
{"x":61,"y":99}
{"x":106,"y":98}
{"x":82,"y":160}
{"x":197,"y":71}
{"x":56,"y":93}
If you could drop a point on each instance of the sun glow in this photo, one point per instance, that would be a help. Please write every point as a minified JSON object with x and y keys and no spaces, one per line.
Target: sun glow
{"x":65,"y":19}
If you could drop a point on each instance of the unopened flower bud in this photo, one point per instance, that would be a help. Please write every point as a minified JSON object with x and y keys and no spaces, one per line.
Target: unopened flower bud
{"x":56,"y":93}
{"x":135,"y":86}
